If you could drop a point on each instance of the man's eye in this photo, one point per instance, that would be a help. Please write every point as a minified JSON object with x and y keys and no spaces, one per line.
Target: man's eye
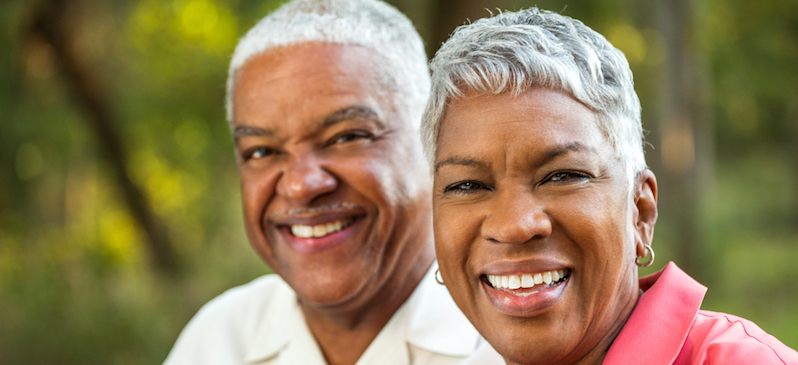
{"x":464,"y":187}
{"x":567,"y":176}
{"x":350,"y":136}
{"x":258,"y":152}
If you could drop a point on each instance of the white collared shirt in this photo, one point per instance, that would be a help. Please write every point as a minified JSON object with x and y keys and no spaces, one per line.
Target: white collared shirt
{"x":261,"y":323}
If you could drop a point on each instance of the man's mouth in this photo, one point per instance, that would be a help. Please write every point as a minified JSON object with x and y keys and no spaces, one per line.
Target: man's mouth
{"x":526,"y":284}
{"x":321,"y":230}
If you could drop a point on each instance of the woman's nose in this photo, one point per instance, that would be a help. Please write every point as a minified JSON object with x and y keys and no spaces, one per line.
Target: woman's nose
{"x":516,"y":219}
{"x":304,"y":179}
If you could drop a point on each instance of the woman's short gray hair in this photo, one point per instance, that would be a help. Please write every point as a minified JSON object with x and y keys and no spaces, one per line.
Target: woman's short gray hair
{"x":516,"y":51}
{"x":372,"y":24}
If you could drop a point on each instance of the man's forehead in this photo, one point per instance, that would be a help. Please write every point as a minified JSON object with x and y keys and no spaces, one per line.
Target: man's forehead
{"x":313,"y":57}
{"x":312,"y":78}
{"x":319,"y":67}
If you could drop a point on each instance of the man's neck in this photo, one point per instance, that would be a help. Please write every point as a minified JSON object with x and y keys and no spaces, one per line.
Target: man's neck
{"x":344,"y":336}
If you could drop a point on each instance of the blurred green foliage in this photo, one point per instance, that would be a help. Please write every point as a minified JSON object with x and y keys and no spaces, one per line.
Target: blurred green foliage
{"x":76,"y":285}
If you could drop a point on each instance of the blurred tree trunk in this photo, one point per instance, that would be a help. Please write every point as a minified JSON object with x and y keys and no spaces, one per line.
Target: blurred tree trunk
{"x":793,"y":115}
{"x":49,"y":23}
{"x":449,"y":14}
{"x":686,"y":143}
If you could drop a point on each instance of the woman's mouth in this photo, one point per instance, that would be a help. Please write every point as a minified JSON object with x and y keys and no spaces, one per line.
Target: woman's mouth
{"x":526,"y":284}
{"x":527,"y":294}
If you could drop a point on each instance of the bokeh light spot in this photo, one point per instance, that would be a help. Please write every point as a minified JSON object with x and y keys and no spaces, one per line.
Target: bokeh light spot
{"x":629,"y":40}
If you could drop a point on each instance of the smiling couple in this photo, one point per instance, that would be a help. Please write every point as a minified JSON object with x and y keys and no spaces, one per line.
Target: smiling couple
{"x":542,"y":204}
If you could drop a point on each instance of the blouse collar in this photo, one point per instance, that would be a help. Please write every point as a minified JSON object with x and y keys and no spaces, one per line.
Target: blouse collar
{"x":659,"y":324}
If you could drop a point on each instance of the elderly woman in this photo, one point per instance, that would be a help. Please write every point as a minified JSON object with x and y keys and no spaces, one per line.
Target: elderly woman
{"x":544,"y":207}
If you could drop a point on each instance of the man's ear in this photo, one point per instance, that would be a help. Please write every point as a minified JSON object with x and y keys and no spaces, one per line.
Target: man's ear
{"x":645,"y":198}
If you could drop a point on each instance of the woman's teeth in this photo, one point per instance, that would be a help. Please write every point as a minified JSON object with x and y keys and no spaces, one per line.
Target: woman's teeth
{"x":320,"y":230}
{"x":526,"y":280}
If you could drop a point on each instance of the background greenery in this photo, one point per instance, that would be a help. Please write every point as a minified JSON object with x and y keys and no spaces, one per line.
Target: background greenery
{"x":85,"y":279}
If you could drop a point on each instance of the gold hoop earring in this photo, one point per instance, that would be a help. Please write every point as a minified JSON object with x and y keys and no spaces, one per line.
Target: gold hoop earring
{"x":438,"y":272}
{"x":650,"y":261}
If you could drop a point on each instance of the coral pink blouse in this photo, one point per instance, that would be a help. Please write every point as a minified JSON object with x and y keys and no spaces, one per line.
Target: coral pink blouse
{"x":667,"y":328}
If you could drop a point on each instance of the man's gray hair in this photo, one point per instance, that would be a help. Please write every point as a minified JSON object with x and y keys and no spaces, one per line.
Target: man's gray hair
{"x":373,"y":24}
{"x":516,"y":51}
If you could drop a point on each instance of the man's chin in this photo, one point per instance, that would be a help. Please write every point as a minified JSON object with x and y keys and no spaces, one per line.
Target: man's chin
{"x":339,"y":294}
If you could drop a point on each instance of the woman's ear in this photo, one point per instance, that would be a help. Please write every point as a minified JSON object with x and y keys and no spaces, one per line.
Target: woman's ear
{"x":645,"y":197}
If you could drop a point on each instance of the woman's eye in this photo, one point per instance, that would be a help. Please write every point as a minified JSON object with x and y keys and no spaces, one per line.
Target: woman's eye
{"x":567,"y":176}
{"x":258,"y":152}
{"x":464,"y":187}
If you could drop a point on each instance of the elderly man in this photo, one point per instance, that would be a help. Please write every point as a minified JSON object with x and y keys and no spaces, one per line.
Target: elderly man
{"x":325,"y":100}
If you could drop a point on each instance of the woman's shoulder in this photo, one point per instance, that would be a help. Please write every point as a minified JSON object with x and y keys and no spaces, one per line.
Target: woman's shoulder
{"x":720,"y":338}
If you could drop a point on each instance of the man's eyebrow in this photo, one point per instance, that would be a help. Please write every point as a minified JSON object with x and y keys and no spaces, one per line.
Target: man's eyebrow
{"x":352,"y":112}
{"x":249,"y":131}
{"x":340,"y":115}
{"x":457,"y":160}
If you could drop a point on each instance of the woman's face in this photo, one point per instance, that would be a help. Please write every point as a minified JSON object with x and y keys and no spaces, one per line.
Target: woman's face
{"x":536,"y":230}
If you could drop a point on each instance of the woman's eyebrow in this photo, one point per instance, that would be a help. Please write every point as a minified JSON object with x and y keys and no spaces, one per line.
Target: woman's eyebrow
{"x":457,"y":160}
{"x":549,"y":155}
{"x":565,"y":148}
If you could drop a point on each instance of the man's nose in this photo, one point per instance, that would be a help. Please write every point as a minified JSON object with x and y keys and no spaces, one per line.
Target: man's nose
{"x":304,"y":179}
{"x":516,"y":219}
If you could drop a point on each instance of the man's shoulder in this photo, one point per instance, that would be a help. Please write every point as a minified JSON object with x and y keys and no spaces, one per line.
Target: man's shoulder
{"x":222,"y":329}
{"x":247,"y":297}
{"x":720,"y":338}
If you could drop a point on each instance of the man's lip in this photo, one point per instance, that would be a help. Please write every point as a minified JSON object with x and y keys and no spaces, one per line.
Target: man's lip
{"x":316,"y":218}
{"x":314,"y":245}
{"x":350,"y":216}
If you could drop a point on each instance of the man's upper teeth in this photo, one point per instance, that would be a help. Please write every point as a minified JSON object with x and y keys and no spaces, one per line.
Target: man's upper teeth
{"x":525,"y":280}
{"x":320,"y":230}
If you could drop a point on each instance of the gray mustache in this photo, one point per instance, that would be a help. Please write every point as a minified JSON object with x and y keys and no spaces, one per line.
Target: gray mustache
{"x":320,"y":208}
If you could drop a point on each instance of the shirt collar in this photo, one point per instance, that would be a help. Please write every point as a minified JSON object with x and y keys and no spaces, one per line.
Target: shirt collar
{"x":435,"y":322}
{"x":661,"y":320}
{"x":429,"y":319}
{"x":282,"y":329}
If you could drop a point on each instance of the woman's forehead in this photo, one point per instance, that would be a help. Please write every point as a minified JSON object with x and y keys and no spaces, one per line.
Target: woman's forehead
{"x":538,"y":117}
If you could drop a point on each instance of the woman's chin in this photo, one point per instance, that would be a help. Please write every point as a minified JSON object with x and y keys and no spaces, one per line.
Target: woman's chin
{"x":549,"y":352}
{"x":530,"y":326}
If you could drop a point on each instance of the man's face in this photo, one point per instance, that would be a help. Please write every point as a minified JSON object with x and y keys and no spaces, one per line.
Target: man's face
{"x":334,"y":186}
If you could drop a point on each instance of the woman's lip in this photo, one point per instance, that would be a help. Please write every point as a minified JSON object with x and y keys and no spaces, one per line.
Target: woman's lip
{"x":518,"y":267}
{"x":533,"y":304}
{"x":527,"y":306}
